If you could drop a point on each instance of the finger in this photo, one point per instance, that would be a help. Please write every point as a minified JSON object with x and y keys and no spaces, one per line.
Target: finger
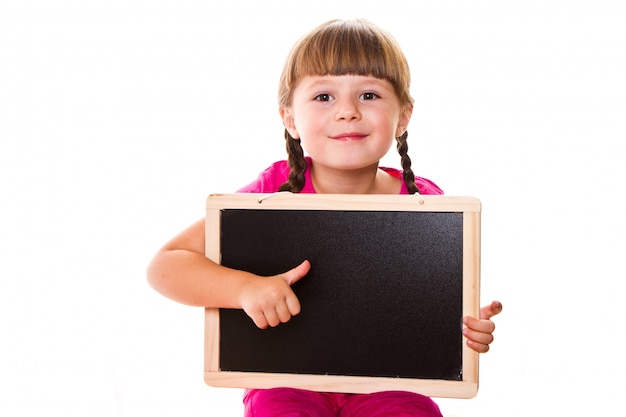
{"x":271,"y":317}
{"x":478,"y":347}
{"x":283,"y":313}
{"x":477,"y":338}
{"x":293,"y":305}
{"x":483,"y":326}
{"x":294,"y":275}
{"x":491,"y":310}
{"x":259,"y":320}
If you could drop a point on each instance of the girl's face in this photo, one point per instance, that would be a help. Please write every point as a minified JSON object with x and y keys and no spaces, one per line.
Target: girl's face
{"x":345,"y":122}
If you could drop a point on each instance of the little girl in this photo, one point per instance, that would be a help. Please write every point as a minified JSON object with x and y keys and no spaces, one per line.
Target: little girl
{"x":344,"y":98}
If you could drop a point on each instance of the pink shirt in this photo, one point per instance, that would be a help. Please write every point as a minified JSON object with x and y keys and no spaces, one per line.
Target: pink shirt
{"x":270,"y":180}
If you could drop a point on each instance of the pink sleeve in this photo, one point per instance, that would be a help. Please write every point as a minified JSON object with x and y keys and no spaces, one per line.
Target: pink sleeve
{"x":427,"y":187}
{"x":270,"y":180}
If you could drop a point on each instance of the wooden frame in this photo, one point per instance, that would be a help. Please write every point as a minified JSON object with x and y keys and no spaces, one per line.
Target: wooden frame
{"x":470,"y":208}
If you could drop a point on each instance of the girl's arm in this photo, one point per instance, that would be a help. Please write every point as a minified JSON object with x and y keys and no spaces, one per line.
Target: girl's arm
{"x":181,"y":272}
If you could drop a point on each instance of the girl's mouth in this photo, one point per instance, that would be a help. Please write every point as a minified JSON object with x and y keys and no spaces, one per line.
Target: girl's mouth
{"x":349,"y":136}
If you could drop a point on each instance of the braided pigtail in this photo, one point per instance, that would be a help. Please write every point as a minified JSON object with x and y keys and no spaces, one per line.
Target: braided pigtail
{"x":297,"y":165}
{"x":407,"y":172}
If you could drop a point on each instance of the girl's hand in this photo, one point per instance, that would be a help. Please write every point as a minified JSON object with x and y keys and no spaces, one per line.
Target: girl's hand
{"x":479,"y":333}
{"x":270,"y":301}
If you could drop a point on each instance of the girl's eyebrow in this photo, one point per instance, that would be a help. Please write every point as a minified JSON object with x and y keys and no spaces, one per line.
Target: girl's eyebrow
{"x":329,"y":81}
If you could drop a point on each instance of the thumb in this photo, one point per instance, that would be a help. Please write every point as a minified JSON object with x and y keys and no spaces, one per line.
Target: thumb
{"x":491,"y":310}
{"x":294,"y":275}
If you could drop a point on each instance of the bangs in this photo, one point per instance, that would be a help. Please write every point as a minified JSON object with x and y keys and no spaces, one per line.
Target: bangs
{"x":347,"y":48}
{"x":347,"y":52}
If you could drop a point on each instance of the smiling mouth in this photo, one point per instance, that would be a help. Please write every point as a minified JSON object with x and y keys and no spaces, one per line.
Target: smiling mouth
{"x":350,"y":136}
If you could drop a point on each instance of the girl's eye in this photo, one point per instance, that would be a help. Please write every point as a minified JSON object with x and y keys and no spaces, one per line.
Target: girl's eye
{"x":323,"y":97}
{"x":369,"y":96}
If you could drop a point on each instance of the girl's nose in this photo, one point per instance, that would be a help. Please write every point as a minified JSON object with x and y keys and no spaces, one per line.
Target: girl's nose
{"x":347,"y":110}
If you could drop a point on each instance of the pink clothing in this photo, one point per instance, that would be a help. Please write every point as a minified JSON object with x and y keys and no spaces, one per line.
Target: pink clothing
{"x":291,"y":402}
{"x":270,"y":180}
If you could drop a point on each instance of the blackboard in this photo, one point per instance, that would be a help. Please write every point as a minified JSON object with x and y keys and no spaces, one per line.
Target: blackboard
{"x":391,"y":279}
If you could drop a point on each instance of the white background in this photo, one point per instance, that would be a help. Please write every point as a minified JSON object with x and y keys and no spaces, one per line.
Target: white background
{"x":118,"y":118}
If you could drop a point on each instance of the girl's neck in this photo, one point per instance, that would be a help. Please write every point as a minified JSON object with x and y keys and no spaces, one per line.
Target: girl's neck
{"x":368,"y":180}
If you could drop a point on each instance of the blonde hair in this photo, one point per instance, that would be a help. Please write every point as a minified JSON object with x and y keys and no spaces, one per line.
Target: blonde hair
{"x":344,"y":47}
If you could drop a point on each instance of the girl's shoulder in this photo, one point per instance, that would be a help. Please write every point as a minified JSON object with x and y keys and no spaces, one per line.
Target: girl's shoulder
{"x":424,"y":185}
{"x":269,"y":180}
